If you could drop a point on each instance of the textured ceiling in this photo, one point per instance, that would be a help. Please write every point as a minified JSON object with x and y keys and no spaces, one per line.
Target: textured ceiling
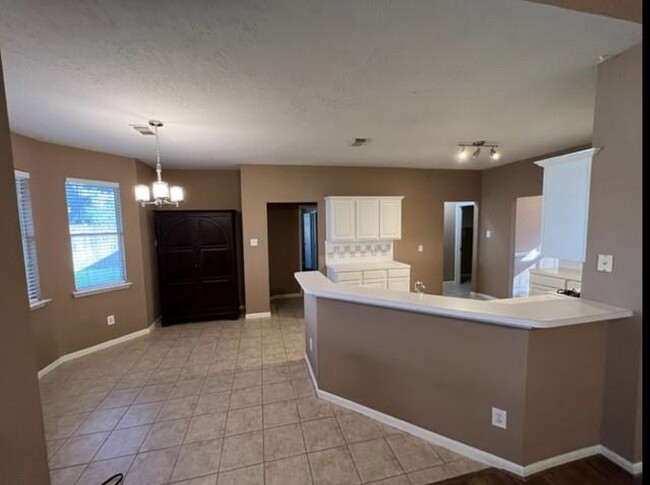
{"x":295,"y":81}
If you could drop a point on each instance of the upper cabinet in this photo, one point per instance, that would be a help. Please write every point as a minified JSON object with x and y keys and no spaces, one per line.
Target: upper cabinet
{"x":340,"y":217}
{"x":390,"y":218}
{"x":363,"y":218}
{"x":565,"y":205}
{"x":367,"y":219}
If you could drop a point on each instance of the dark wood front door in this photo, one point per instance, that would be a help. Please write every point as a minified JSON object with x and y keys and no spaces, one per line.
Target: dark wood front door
{"x":197,"y":264}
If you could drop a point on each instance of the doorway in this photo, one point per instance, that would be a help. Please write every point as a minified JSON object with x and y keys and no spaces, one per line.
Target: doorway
{"x":293,"y":245}
{"x":309,"y":237}
{"x":459,"y":248}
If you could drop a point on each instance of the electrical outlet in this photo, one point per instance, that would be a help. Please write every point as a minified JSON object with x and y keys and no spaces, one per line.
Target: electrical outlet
{"x":488,"y":234}
{"x":254,"y":241}
{"x":499,"y":418}
{"x":311,"y":345}
{"x":605,"y":263}
{"x":110,"y":320}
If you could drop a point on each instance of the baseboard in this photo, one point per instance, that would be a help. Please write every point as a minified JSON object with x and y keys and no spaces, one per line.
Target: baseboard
{"x":251,"y":316}
{"x":104,"y":345}
{"x":483,"y":295}
{"x":469,"y":451}
{"x":628,"y":466}
{"x":155,"y":323}
{"x":286,"y":296}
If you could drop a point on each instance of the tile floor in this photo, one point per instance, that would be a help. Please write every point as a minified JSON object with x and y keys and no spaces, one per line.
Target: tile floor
{"x":226,"y":402}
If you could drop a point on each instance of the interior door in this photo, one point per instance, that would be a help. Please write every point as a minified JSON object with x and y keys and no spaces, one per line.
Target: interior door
{"x":197,"y":266}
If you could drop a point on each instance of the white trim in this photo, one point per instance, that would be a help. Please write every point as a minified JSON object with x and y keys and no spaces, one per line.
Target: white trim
{"x":21,"y":174}
{"x":155,"y":323}
{"x":250,"y":316}
{"x":286,"y":296}
{"x":567,"y":156}
{"x":628,"y":466}
{"x":39,"y":304}
{"x":102,"y":289}
{"x":469,"y":451}
{"x":89,"y":350}
{"x":483,"y":295}
{"x":92,"y":181}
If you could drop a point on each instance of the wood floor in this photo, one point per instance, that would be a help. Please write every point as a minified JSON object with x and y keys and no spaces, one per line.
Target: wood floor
{"x":594,"y":470}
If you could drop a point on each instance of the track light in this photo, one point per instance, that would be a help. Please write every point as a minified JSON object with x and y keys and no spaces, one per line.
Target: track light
{"x":476,"y":146}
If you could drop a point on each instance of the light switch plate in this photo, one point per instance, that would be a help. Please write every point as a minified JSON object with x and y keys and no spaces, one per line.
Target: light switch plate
{"x":254,"y":241}
{"x":420,"y":248}
{"x":488,"y":234}
{"x":605,"y":263}
{"x":499,"y":418}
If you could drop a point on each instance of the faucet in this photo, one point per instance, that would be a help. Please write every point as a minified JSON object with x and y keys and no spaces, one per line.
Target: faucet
{"x":420,"y":287}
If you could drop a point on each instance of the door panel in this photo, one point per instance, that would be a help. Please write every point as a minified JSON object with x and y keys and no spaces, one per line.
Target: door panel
{"x":197,"y":265}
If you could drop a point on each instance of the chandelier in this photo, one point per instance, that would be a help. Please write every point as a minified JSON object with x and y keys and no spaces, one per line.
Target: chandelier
{"x":163,"y":194}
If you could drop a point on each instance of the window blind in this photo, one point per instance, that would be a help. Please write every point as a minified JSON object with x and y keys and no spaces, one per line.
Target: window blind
{"x":95,"y":223}
{"x":27,"y":233}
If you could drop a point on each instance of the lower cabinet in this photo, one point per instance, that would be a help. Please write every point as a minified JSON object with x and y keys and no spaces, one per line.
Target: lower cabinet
{"x":540,"y":284}
{"x":395,"y":279}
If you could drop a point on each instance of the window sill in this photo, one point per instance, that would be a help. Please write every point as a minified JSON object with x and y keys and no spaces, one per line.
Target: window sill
{"x":39,"y":304}
{"x":103,"y":289}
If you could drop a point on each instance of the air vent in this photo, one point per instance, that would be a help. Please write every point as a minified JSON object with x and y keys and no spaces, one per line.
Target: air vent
{"x":359,"y":141}
{"x":143,"y":129}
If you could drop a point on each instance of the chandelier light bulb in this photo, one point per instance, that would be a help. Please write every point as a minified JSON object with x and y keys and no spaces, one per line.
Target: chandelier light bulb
{"x":462,"y":154}
{"x":494,"y":154}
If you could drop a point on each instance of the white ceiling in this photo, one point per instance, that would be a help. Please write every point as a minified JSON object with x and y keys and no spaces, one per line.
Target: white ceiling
{"x":294,"y":81}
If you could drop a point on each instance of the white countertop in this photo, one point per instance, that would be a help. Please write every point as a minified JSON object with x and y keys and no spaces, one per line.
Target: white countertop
{"x":361,"y":266}
{"x":533,"y":312}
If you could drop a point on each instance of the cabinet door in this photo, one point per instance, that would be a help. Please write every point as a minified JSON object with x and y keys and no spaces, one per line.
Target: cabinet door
{"x":367,"y":219}
{"x":398,"y":284}
{"x":390,"y":219}
{"x":340,"y":219}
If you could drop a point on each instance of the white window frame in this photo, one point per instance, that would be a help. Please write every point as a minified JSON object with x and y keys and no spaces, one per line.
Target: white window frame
{"x":94,"y":290}
{"x":29,"y":234}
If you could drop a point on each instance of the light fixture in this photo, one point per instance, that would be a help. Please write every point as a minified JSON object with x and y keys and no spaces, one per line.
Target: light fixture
{"x":477,"y":145}
{"x":162,"y":193}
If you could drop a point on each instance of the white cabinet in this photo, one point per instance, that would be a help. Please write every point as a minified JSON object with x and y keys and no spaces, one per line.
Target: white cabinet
{"x":363,"y":218}
{"x":390,"y":218}
{"x":565,"y":205}
{"x":542,"y":282}
{"x":340,"y":217}
{"x":367,"y":218}
{"x":387,"y":278}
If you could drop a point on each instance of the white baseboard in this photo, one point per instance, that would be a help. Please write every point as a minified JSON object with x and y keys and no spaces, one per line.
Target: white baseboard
{"x":251,"y":316}
{"x":483,"y":295}
{"x":286,"y":296}
{"x":469,"y":451}
{"x":628,"y":466}
{"x":89,"y":350}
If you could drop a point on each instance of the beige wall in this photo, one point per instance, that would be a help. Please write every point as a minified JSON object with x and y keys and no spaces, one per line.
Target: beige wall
{"x":207,"y":189}
{"x":445,"y":375}
{"x":67,"y":324}
{"x":422,"y":212}
{"x":615,"y":227}
{"x":620,"y":9}
{"x":146,"y":175}
{"x":22,"y":442}
{"x":284,"y":248}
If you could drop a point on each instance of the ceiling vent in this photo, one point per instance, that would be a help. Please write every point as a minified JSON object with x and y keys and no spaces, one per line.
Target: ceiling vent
{"x":143,"y":129}
{"x":359,"y":141}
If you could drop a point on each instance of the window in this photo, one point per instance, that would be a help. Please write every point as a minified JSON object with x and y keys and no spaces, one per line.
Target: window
{"x":95,"y":233}
{"x":27,"y":234}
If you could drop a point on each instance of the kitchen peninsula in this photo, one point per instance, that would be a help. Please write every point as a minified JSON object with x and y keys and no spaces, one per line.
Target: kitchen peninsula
{"x":441,"y":367}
